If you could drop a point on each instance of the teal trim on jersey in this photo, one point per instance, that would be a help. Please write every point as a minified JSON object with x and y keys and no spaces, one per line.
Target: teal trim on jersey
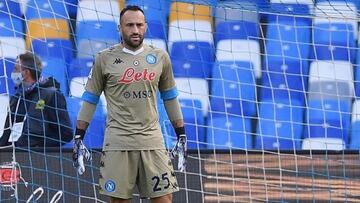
{"x":169,"y":94}
{"x":90,"y":97}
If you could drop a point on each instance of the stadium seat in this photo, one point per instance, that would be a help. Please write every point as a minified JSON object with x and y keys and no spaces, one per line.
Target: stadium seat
{"x":232,"y":11}
{"x":327,"y":122}
{"x":194,"y":89}
{"x":279,"y":125}
{"x":240,"y":50}
{"x":95,"y":133}
{"x":192,"y":51}
{"x":357,"y":75}
{"x":57,"y":68}
{"x":6,"y":84}
{"x":287,"y":76}
{"x":288,"y":41}
{"x":233,"y":81}
{"x":4,"y":104}
{"x":57,"y":48}
{"x":355,"y":126}
{"x":290,"y":10}
{"x":45,"y":9}
{"x":89,"y":10}
{"x":11,"y":47}
{"x":47,"y":28}
{"x":236,"y":30}
{"x":331,"y":79}
{"x":11,"y":27}
{"x":192,"y":69}
{"x":10,"y":8}
{"x":335,"y":30}
{"x":189,"y":22}
{"x":194,"y":123}
{"x":93,"y":36}
{"x":228,"y":132}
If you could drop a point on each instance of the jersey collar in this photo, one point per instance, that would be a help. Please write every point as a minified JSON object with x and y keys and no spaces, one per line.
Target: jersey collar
{"x":133,"y":52}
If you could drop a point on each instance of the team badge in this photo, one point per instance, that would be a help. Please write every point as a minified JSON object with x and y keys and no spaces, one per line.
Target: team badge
{"x":40,"y":104}
{"x":136,"y":63}
{"x":151,"y":59}
{"x":110,"y":186}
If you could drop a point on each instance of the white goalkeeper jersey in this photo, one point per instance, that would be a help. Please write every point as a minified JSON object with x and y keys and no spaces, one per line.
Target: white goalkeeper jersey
{"x":130,"y":81}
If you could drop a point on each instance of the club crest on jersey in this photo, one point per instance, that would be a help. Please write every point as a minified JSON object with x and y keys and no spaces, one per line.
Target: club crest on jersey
{"x":130,"y":75}
{"x":110,"y":186}
{"x":151,"y":59}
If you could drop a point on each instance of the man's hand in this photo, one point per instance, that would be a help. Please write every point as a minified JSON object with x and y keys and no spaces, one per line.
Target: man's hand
{"x":80,"y":153}
{"x":180,"y":149}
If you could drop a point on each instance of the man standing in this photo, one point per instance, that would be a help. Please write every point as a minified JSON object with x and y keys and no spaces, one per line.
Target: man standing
{"x":134,"y":153}
{"x":38,"y":114}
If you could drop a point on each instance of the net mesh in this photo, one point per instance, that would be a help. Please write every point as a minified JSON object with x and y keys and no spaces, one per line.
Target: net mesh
{"x":268,"y":89}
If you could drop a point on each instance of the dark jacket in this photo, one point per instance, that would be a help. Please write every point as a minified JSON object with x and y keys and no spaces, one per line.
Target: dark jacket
{"x":47,"y":122}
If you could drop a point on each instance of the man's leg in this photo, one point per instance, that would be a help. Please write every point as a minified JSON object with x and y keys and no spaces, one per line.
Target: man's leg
{"x":117,"y":200}
{"x":163,"y":199}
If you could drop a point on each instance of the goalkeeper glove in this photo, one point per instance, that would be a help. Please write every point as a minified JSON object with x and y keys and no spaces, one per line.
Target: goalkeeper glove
{"x":180,"y":149}
{"x":80,"y":153}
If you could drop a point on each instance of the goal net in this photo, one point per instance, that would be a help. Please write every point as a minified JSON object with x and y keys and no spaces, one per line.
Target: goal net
{"x":268,"y":90}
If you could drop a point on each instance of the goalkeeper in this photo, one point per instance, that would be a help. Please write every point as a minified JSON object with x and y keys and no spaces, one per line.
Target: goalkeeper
{"x":129,"y":74}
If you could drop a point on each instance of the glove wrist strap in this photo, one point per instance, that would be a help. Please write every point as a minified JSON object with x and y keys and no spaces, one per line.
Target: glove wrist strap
{"x":79,"y":133}
{"x":179,"y":131}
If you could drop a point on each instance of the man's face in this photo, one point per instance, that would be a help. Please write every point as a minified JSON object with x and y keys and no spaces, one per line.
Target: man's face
{"x":133,"y":28}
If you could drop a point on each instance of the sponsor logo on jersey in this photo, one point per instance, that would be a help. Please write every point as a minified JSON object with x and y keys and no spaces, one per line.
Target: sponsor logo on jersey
{"x":151,"y":59}
{"x":141,"y":94}
{"x":110,"y":186}
{"x":118,"y":60}
{"x":130,"y":75}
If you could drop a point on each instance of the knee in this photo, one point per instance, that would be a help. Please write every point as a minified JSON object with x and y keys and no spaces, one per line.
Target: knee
{"x":118,"y":200}
{"x":163,"y":199}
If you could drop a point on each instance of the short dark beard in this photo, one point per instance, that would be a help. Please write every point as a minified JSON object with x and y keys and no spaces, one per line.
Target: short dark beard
{"x":132,"y":45}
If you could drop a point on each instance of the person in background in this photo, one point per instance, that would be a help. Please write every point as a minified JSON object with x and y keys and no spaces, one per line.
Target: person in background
{"x":38,"y":114}
{"x":134,"y":154}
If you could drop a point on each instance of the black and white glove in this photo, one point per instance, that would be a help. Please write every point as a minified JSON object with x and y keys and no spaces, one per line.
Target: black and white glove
{"x":80,"y":153}
{"x":180,"y":149}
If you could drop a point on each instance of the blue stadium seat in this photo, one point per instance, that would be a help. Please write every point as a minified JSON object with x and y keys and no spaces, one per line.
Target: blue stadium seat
{"x":287,"y":75}
{"x":279,"y":124}
{"x":334,"y":41}
{"x":6,"y":84}
{"x":80,"y":67}
{"x":236,"y":30}
{"x":234,"y":81}
{"x":42,"y":9}
{"x":190,"y":68}
{"x":289,"y":11}
{"x":228,"y":132}
{"x":288,"y":40}
{"x":95,"y":134}
{"x":155,"y":11}
{"x":357,"y":75}
{"x":93,"y":36}
{"x":57,"y":68}
{"x":328,"y":119}
{"x":10,"y":8}
{"x":192,"y":51}
{"x":57,"y":48}
{"x":11,"y":27}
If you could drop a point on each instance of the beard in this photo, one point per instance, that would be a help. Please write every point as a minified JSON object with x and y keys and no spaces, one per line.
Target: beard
{"x":133,"y":44}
